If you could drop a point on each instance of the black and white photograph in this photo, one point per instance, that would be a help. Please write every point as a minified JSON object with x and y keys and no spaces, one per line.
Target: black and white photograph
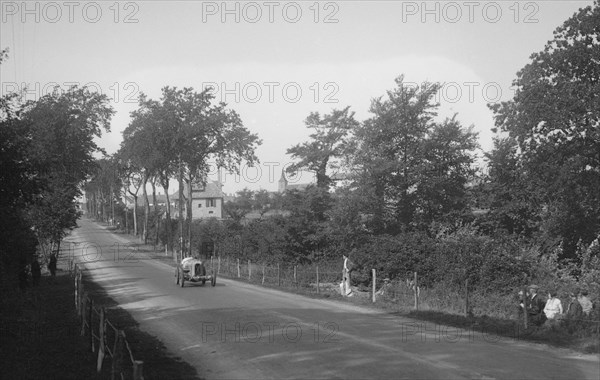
{"x":304,"y":189}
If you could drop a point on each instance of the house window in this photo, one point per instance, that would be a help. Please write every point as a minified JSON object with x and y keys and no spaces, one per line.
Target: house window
{"x":211,"y":203}
{"x":199,"y":205}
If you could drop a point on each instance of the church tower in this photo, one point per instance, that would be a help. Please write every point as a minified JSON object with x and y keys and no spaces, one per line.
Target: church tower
{"x":282,"y":182}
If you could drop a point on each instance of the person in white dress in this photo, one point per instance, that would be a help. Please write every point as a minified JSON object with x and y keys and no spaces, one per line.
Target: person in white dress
{"x":346,"y":280}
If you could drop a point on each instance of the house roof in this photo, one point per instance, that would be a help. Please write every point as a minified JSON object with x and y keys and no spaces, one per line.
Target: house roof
{"x":212,"y":190}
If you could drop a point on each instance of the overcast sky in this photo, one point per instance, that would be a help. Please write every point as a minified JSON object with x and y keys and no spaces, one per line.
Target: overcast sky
{"x":275,"y":62}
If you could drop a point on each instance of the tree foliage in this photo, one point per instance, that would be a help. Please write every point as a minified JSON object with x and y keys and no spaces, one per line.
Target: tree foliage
{"x":328,"y":143}
{"x":555,"y":119}
{"x":47,"y":152}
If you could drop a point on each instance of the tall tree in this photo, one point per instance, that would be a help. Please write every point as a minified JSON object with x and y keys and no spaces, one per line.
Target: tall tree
{"x":390,"y":153}
{"x":19,"y":187}
{"x":63,"y":127}
{"x":104,"y":187}
{"x":328,"y":142}
{"x":140,"y":145}
{"x":555,"y":118}
{"x":205,"y":131}
{"x":241,"y":206}
{"x":131,"y":177}
{"x":503,"y":193}
{"x":448,"y":166}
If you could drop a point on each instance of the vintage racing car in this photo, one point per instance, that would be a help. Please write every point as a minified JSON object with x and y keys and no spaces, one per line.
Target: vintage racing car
{"x":193,"y":270}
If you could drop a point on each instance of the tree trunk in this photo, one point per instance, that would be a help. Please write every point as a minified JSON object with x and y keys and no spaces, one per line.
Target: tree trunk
{"x":165,"y":186}
{"x":156,"y":221}
{"x":180,"y":214}
{"x":146,"y":208}
{"x":58,"y":247}
{"x":135,"y":223}
{"x":189,"y":212}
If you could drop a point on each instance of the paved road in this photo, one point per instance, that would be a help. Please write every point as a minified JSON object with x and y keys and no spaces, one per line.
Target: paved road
{"x":236,"y":330}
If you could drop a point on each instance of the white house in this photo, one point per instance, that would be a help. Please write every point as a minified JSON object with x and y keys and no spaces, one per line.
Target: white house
{"x":207,"y":200}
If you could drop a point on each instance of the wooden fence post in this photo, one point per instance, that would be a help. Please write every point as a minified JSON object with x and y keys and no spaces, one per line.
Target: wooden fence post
{"x":77,"y":292}
{"x":101,"y":348}
{"x":318,"y":290}
{"x":525,"y":311}
{"x":416,"y":293}
{"x":83,"y":311}
{"x":467,"y":306}
{"x":138,"y":370}
{"x":90,"y":319}
{"x":219,"y":265}
{"x":238,"y":268}
{"x":295,"y":278}
{"x":278,"y":276}
{"x":249,"y":270}
{"x":117,"y":359}
{"x":263,"y":278}
{"x":374,"y":283}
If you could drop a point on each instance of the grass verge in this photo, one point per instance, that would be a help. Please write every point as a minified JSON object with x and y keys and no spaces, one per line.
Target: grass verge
{"x":40,"y":333}
{"x":40,"y":336}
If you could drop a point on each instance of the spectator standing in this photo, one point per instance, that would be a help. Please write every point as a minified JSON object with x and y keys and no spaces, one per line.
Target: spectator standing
{"x":553,"y":308}
{"x":535,"y":306}
{"x":574,"y":310}
{"x":346,"y":280}
{"x":522,"y":301}
{"x":585,"y":302}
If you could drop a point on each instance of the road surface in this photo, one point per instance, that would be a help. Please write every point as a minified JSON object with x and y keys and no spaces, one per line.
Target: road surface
{"x":240,"y":331}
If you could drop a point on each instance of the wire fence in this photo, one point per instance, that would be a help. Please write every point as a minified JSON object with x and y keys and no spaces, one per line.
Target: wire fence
{"x":315,"y":278}
{"x":405,"y":294}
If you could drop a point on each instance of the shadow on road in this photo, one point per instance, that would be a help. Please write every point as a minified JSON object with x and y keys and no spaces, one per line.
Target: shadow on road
{"x":158,"y":363}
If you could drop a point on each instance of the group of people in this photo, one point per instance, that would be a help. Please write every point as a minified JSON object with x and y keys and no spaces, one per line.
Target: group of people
{"x":550,"y":310}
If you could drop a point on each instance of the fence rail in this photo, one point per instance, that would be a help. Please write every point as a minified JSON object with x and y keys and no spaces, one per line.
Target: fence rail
{"x":105,"y":338}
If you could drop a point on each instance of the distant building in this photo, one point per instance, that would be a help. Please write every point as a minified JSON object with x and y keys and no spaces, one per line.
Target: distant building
{"x":207,"y":200}
{"x":284,"y":186}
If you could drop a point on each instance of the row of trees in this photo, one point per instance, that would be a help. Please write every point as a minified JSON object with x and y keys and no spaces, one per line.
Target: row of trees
{"x":47,"y":151}
{"x":403,"y":171}
{"x":407,"y":172}
{"x":172,"y":138}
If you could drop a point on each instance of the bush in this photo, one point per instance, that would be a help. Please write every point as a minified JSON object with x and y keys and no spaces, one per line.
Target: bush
{"x":395,"y":257}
